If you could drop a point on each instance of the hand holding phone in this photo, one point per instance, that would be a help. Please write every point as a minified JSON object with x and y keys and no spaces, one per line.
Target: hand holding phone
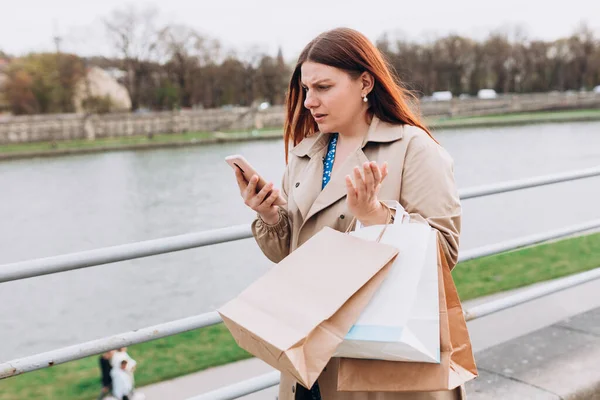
{"x":257,"y":193}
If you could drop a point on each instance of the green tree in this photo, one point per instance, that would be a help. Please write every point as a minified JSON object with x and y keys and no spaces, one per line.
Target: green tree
{"x":44,"y":83}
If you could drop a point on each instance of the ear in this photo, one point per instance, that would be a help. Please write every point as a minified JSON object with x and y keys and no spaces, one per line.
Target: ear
{"x":367,"y":82}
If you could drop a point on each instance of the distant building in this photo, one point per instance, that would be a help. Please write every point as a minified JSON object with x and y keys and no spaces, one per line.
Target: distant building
{"x":101,"y":84}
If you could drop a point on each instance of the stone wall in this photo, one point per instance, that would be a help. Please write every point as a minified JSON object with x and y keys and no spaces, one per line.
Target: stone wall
{"x":55,"y":127}
{"x":78,"y":126}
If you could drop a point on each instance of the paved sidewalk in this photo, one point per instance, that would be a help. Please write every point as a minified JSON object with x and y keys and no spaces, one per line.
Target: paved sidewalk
{"x":553,"y":363}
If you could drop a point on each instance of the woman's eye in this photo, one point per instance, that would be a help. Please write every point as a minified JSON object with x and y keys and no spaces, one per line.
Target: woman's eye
{"x":319,"y":87}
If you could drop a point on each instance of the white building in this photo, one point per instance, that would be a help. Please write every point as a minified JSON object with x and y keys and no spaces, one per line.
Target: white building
{"x":101,"y":84}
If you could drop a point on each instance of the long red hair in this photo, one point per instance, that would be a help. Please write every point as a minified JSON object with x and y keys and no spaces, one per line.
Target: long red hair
{"x":352,"y":52}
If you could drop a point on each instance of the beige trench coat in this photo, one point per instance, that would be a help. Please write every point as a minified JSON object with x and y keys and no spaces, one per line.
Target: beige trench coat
{"x":420,"y":177}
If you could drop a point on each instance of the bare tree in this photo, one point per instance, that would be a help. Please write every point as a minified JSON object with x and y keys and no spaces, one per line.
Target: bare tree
{"x":453,"y":60}
{"x":271,"y":76}
{"x":583,"y":45}
{"x":180,"y":45}
{"x":498,"y":55}
{"x":135,"y":35}
{"x":559,"y":56}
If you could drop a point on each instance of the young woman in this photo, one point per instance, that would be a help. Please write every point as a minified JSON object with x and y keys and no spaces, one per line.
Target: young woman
{"x":354,"y":142}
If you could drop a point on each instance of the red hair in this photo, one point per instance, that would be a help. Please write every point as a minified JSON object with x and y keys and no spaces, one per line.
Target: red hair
{"x":352,"y":52}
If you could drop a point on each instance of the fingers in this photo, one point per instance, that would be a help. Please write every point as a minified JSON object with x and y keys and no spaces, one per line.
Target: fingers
{"x":364,"y":187}
{"x":359,"y":184}
{"x":261,"y":202}
{"x":251,"y":188}
{"x":384,"y":171}
{"x":369,"y":182}
{"x":351,"y":190}
{"x":262,"y":195}
{"x":377,"y":173}
{"x":268,"y":202}
{"x":380,"y":174}
{"x":369,"y":177}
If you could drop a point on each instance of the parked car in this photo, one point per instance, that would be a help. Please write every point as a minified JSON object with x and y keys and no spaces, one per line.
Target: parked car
{"x":487,"y":94}
{"x":441,"y":96}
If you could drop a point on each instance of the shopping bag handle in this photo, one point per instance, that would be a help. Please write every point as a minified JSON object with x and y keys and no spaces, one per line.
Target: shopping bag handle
{"x":387,"y":221}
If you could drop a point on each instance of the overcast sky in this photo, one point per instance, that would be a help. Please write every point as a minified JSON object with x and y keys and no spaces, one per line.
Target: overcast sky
{"x":29,"y":25}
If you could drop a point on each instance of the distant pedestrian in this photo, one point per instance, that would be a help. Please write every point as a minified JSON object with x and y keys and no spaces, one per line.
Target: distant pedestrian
{"x":122,"y":384}
{"x":121,"y":354}
{"x":106,"y":379}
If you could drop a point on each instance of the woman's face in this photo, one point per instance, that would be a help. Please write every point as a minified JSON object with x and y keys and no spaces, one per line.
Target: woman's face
{"x":333,"y":97}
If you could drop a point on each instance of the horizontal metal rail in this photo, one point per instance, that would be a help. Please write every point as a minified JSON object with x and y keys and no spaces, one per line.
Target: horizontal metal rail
{"x":268,"y":380}
{"x":514,"y":244}
{"x":531,"y":294}
{"x":106,"y":255}
{"x":99,"y":346}
{"x":527,"y":183}
{"x":242,"y":388}
{"x":84,"y":259}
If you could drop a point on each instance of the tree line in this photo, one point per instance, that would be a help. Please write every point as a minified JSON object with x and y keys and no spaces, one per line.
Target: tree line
{"x":174,"y":66}
{"x":507,"y":62}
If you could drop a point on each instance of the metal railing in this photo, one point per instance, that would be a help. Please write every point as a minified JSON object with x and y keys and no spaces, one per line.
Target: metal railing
{"x":527,"y":183}
{"x":242,"y":388}
{"x":107,"y":255}
{"x":98,"y":346}
{"x":51,"y":265}
{"x":91,"y":258}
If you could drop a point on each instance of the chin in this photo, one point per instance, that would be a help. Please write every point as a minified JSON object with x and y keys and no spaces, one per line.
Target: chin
{"x":326,"y":128}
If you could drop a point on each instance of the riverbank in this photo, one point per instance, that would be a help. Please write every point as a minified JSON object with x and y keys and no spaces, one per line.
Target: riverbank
{"x":197,"y":350}
{"x":69,"y":147}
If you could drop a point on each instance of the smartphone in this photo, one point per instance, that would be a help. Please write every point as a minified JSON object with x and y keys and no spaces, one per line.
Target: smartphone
{"x":239,"y":162}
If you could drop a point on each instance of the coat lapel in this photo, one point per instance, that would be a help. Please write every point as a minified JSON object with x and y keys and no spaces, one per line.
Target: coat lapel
{"x":308,"y":185}
{"x":308,"y":195}
{"x":336,"y":188}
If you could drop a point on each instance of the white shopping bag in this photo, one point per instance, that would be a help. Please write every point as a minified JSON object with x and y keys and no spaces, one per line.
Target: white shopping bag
{"x":401,"y":322}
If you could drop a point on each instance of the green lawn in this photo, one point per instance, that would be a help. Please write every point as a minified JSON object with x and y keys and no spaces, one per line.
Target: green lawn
{"x":517,"y":118}
{"x":194,"y":351}
{"x":157,"y":360}
{"x":115,"y":142}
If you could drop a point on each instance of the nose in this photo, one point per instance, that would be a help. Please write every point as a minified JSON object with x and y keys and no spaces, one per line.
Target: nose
{"x":310,"y":101}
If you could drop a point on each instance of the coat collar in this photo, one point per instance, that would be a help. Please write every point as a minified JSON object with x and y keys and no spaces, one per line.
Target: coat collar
{"x":309,"y":196}
{"x":379,"y":132}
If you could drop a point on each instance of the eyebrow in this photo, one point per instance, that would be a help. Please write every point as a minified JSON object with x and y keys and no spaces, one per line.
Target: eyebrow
{"x":316,"y":82}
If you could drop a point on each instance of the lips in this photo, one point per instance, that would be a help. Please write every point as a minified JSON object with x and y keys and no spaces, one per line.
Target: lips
{"x":319,"y":117}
